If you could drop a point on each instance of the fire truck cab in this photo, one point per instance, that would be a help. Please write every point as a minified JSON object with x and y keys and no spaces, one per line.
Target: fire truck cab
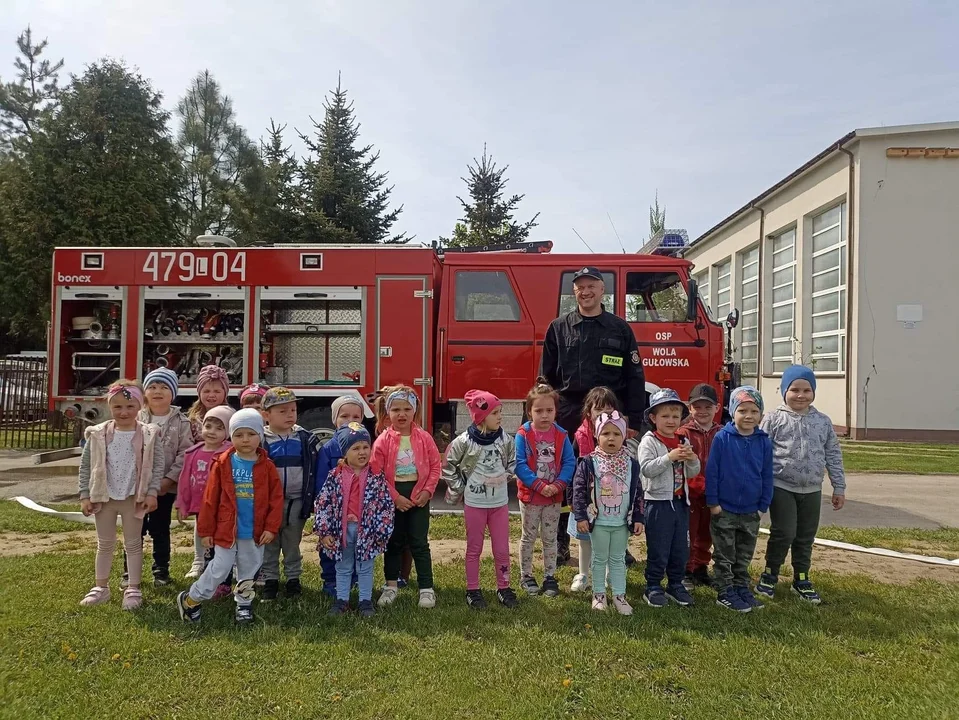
{"x":333,"y":320}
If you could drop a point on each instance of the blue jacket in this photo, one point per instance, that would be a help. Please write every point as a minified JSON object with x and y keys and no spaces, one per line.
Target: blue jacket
{"x":296,"y":458}
{"x":526,"y":464}
{"x":327,"y":459}
{"x":739,"y":472}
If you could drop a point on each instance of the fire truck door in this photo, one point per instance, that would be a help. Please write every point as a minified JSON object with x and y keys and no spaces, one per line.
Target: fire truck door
{"x":403,"y":311}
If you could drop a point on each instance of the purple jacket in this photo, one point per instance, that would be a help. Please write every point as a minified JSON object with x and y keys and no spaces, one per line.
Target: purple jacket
{"x":376,"y":516}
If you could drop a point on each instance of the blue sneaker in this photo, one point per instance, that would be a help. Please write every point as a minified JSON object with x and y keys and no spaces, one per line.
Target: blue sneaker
{"x":187,"y":613}
{"x":680,"y":595}
{"x":729,"y":599}
{"x":767,"y":585}
{"x":747,"y":597}
{"x":402,"y":583}
{"x":655,"y":597}
{"x":805,"y":589}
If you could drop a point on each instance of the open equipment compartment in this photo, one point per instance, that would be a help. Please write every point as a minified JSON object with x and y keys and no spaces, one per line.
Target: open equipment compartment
{"x":187,"y":328}
{"x":311,"y":336}
{"x":89,"y":347}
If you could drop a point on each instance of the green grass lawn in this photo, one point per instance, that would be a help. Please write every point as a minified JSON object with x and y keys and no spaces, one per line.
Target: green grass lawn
{"x":870,"y":650}
{"x":16,"y":518}
{"x":941,"y":542}
{"x":910,"y":458}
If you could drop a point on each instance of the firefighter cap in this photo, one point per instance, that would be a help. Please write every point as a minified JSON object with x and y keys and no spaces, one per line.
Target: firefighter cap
{"x":588,"y":271}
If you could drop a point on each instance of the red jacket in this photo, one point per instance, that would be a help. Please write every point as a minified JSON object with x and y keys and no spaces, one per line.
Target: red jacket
{"x":701,"y":441}
{"x":217,"y":516}
{"x":583,"y":440}
{"x":429,"y":464}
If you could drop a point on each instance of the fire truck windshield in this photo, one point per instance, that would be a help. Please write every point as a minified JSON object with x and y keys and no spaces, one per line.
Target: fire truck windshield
{"x":655,"y":297}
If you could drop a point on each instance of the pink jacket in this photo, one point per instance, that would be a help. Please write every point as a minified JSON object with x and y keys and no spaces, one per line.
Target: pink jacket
{"x":197,"y":463}
{"x":426,"y":456}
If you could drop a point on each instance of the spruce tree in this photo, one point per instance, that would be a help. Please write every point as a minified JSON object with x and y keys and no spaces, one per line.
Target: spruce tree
{"x":345,"y":200}
{"x":657,"y":218}
{"x":487,"y":217}
{"x":32,"y":96}
{"x":216,"y":156}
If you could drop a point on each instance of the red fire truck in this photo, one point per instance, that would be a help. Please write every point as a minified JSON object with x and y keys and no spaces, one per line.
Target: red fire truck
{"x":334,"y":320}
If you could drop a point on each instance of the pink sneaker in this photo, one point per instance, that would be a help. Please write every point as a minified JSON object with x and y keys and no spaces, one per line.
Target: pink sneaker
{"x":97,"y":596}
{"x":132,"y":599}
{"x":223,"y":590}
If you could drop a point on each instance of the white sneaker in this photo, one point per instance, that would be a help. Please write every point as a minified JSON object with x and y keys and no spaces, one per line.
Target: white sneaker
{"x":388,"y":596}
{"x":196,"y":570}
{"x":427,"y":598}
{"x":580,"y":583}
{"x":599,"y":601}
{"x":622,"y":607}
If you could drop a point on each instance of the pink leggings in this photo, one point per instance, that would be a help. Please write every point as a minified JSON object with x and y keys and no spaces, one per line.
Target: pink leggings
{"x":106,"y":523}
{"x":477,"y":520}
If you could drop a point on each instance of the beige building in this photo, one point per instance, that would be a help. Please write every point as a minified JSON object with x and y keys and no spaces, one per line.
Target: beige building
{"x":851,"y":265}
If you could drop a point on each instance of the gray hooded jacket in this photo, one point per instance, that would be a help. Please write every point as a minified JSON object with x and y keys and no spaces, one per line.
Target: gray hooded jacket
{"x":805,"y":447}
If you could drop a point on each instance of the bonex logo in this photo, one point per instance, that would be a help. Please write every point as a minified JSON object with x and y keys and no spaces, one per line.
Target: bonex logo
{"x":61,"y":278}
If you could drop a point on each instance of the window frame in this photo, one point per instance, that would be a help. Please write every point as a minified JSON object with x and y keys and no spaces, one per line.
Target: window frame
{"x":456,"y":289}
{"x":728,"y":275}
{"x":749,"y":315}
{"x":839,"y":289}
{"x":790,"y":303}
{"x":566,"y":290}
{"x":702,"y":281}
{"x":651,"y":271}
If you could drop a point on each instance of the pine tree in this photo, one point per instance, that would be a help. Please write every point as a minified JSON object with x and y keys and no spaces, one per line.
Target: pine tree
{"x":657,"y":218}
{"x":344,"y":199}
{"x":216,"y":155}
{"x":488,"y":219}
{"x":100,"y":172}
{"x":31,"y":97}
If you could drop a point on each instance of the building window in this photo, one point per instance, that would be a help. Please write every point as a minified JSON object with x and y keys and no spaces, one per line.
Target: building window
{"x":828,"y":283}
{"x":702,"y":280}
{"x":723,"y":291}
{"x":567,"y":300}
{"x":655,"y":297}
{"x":782,"y":317}
{"x":749,"y":322}
{"x":485,"y":297}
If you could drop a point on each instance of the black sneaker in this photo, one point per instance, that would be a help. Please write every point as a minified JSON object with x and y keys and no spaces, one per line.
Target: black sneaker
{"x":187,"y":613}
{"x":161,"y":577}
{"x":562,"y":554}
{"x":339,"y":607}
{"x":528,"y":584}
{"x":680,"y":595}
{"x":550,"y":586}
{"x":243,"y":615}
{"x":293,"y":588}
{"x":271,"y":588}
{"x":507,"y":597}
{"x":366,"y":609}
{"x":630,"y":560}
{"x":475,"y":599}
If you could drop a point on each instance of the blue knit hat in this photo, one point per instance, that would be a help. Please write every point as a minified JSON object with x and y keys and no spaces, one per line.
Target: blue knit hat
{"x":348,"y":435}
{"x":249,"y":419}
{"x":794,"y":373}
{"x":165,"y":376}
{"x":744,"y":393}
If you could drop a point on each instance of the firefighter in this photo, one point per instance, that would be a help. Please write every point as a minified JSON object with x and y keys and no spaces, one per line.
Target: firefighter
{"x":586,"y":348}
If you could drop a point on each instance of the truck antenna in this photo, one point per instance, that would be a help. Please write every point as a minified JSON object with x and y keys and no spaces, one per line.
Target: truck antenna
{"x":584,"y":242}
{"x":617,"y":233}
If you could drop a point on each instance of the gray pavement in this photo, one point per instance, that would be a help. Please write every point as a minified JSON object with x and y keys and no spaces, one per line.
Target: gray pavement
{"x":874,"y":500}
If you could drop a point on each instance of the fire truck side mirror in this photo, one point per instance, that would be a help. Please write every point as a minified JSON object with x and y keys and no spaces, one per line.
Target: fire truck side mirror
{"x":692,"y":300}
{"x":732,"y":320}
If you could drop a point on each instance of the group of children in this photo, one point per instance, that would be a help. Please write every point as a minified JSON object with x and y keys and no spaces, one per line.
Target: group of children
{"x":252,"y":478}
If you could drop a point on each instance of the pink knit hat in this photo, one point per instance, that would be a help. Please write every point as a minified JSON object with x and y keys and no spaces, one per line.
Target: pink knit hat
{"x":480,"y":404}
{"x":223,"y":413}
{"x":212,"y":373}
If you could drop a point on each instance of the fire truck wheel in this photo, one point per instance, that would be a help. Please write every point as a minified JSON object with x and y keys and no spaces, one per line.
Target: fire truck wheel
{"x":318,"y":418}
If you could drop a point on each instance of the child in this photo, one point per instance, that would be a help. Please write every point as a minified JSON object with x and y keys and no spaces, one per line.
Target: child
{"x":345,"y":410}
{"x":408,"y":456}
{"x":599,"y":400}
{"x":212,"y":388}
{"x":700,"y":430}
{"x":241,"y":513}
{"x":609,"y":508}
{"x":196,"y":471}
{"x":479,"y":464}
{"x":252,"y":396}
{"x":804,"y":448}
{"x":739,"y":487}
{"x":121,"y":469}
{"x":294,"y":451}
{"x":545,"y":470}
{"x":160,"y":387}
{"x":666,"y":462}
{"x":354,"y":518}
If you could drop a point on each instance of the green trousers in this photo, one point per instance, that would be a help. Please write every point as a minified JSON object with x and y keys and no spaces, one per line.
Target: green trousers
{"x":795,"y":520}
{"x":734,"y":542}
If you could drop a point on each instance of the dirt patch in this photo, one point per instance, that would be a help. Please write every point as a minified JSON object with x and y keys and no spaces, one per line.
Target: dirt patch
{"x":882,"y":569}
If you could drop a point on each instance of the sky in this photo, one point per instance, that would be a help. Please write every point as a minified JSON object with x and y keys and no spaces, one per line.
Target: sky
{"x":595,"y":107}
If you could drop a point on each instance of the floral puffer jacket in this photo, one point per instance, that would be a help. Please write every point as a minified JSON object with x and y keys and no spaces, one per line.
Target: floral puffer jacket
{"x":376,"y":516}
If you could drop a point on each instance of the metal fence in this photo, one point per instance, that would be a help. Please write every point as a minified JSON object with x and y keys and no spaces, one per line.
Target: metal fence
{"x":25,"y":421}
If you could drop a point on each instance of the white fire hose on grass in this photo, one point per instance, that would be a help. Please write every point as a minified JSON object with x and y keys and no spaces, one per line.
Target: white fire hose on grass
{"x":79,"y":517}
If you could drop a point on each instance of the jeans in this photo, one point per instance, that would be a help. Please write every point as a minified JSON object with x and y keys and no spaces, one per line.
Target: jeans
{"x":346,"y":566}
{"x":667,"y":541}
